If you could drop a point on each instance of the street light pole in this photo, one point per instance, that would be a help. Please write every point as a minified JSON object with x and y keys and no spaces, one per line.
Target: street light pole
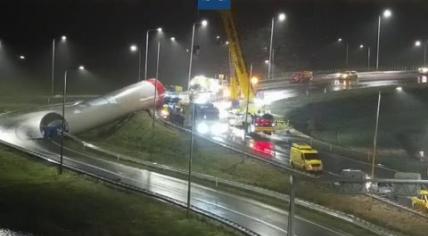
{"x":425,"y":52}
{"x":63,"y":126}
{"x":53,"y":67}
{"x":156,"y":81}
{"x":270,"y":48}
{"x":139,"y":62}
{"x":346,"y":43}
{"x":375,"y":136}
{"x":386,"y":13}
{"x":159,"y":29}
{"x":378,"y":42}
{"x":347,"y":54}
{"x":248,"y":101}
{"x":281,"y":17}
{"x":147,"y":54}
{"x":63,"y":39}
{"x":61,"y":152}
{"x":192,"y":44}
{"x":368,"y":57}
{"x":189,"y":182}
{"x":290,"y":226}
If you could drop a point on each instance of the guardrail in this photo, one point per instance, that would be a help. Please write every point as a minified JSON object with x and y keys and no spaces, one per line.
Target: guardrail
{"x":116,"y":181}
{"x":284,"y":76}
{"x":248,"y":188}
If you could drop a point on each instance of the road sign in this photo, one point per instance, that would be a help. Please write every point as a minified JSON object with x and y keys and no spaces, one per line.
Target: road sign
{"x":214,"y":4}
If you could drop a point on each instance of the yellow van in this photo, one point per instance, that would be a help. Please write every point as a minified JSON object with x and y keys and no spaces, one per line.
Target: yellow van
{"x":304,"y":157}
{"x":420,"y":202}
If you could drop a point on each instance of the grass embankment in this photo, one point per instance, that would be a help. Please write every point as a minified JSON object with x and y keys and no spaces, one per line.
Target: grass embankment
{"x":169,"y":147}
{"x":35,"y":199}
{"x":349,"y":119}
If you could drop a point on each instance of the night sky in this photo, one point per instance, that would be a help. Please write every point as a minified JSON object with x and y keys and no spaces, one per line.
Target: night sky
{"x":100,"y":32}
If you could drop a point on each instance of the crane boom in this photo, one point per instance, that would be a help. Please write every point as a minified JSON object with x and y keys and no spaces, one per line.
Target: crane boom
{"x":238,"y":62}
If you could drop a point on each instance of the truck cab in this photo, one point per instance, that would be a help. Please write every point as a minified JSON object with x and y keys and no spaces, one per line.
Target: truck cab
{"x":348,"y":75}
{"x":420,"y":202}
{"x":304,"y":157}
{"x":263,"y":123}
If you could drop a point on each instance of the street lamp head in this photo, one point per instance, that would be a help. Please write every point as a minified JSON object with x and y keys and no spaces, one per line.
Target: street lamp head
{"x":418,"y":43}
{"x":387,"y":13}
{"x":172,"y":39}
{"x":266,"y":61}
{"x":204,"y":23}
{"x":159,"y":29}
{"x":217,"y":37}
{"x":133,"y":48}
{"x":281,"y":17}
{"x":226,"y":43}
{"x":21,"y":57}
{"x":361,"y":45}
{"x":339,"y":40}
{"x":63,"y":38}
{"x":81,"y":67}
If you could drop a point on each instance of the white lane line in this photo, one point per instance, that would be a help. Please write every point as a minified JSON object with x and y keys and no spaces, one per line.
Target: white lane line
{"x":242,"y":214}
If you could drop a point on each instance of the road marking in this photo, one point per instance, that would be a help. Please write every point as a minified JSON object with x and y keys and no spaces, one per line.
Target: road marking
{"x":243,"y":214}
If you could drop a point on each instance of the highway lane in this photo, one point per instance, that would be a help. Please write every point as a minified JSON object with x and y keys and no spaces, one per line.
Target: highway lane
{"x":365,"y":79}
{"x":271,"y":91}
{"x":257,"y":216}
{"x":277,"y":149}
